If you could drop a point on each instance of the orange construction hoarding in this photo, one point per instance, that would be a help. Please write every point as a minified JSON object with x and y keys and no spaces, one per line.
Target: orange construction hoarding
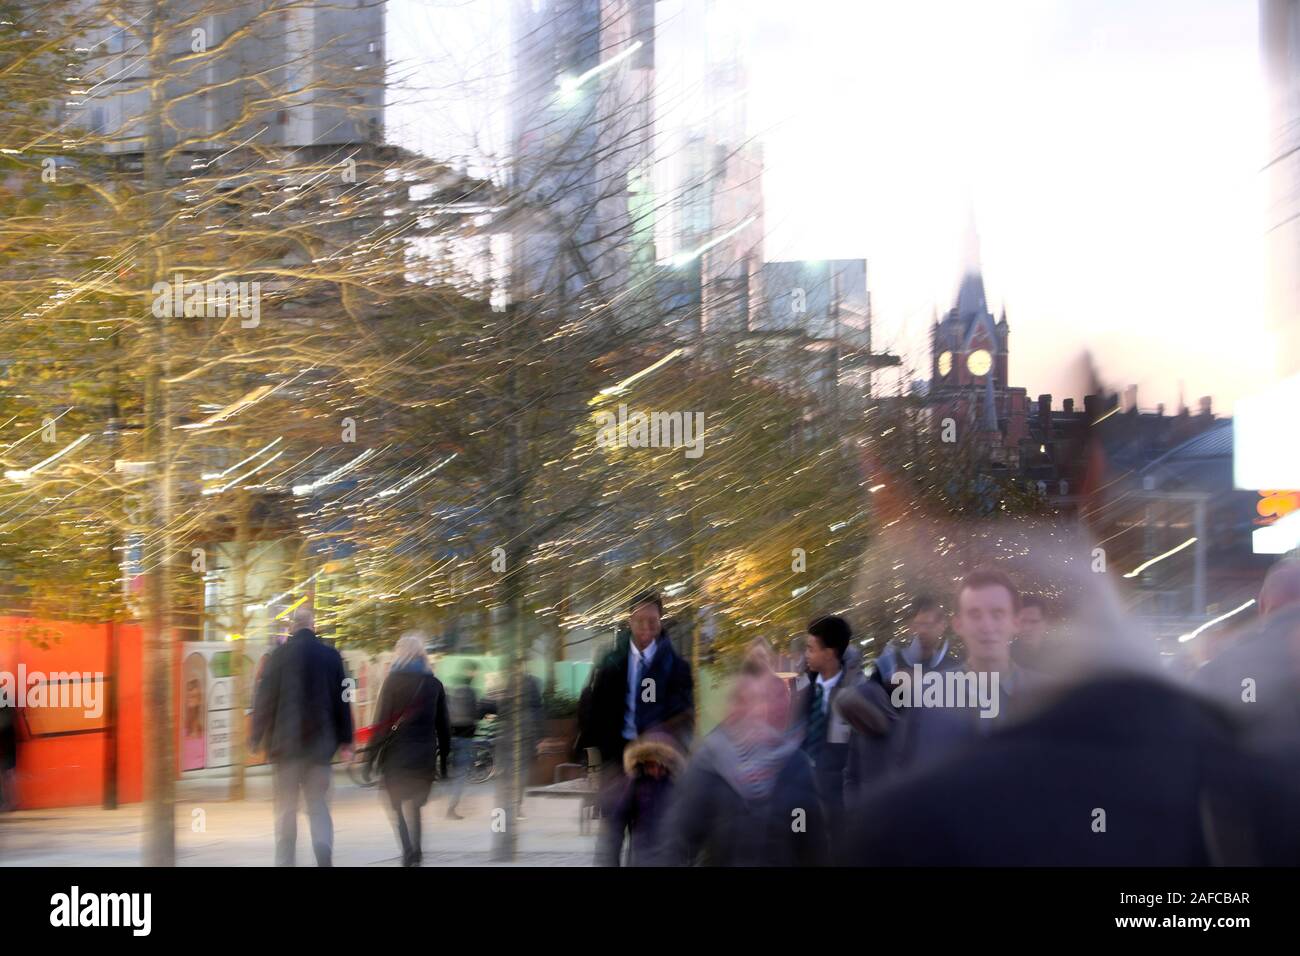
{"x":69,"y":728}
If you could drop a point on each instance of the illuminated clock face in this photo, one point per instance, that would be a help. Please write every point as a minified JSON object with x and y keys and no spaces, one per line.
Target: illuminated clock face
{"x":979,"y":362}
{"x":945,"y":363}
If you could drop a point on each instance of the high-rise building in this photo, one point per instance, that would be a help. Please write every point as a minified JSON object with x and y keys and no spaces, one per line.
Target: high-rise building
{"x":1262,"y":457}
{"x":821,"y":310}
{"x":582,"y":133}
{"x":311,"y":74}
{"x":1280,"y":42}
{"x":630,"y":131}
{"x":713,"y":167}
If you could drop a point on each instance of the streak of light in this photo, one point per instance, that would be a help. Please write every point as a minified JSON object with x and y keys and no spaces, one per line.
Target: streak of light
{"x":1107,"y":415}
{"x":291,"y":608}
{"x":239,"y":464}
{"x":36,"y":431}
{"x":1159,"y":557}
{"x":23,"y":474}
{"x":284,"y":594}
{"x":623,"y":385}
{"x":402,"y":486}
{"x":252,"y":471}
{"x":571,"y":84}
{"x":333,"y":475}
{"x":682,"y":258}
{"x":234,"y":408}
{"x":1222,"y":617}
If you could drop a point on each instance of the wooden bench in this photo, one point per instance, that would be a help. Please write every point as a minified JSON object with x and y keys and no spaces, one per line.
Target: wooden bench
{"x":584,"y":785}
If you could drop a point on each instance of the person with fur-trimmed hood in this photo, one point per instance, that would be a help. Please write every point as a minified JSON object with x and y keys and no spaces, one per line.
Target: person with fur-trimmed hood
{"x":651,"y":763}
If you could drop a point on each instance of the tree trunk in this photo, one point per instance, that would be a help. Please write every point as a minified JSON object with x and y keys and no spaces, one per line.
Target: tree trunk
{"x":513,"y":708}
{"x":509,"y":780}
{"x":160,"y":750}
{"x":110,"y":628}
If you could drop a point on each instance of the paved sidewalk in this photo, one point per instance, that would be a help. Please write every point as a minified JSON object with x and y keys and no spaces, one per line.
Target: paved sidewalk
{"x":241,"y":834}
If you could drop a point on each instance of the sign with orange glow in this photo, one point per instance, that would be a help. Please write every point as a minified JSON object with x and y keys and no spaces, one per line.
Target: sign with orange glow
{"x":1273,"y":505}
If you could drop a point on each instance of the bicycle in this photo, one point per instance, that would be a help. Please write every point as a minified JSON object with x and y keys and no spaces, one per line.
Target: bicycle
{"x":482,"y":762}
{"x":481,"y":767}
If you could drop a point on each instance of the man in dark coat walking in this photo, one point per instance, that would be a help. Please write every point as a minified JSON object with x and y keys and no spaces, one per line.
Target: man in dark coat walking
{"x":641,"y":685}
{"x":301,"y":716}
{"x":1125,"y":770}
{"x":522,"y":717}
{"x":465,"y":711}
{"x":1258,"y":677}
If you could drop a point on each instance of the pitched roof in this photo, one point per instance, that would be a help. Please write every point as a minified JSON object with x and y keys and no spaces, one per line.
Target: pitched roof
{"x":1214,"y":442}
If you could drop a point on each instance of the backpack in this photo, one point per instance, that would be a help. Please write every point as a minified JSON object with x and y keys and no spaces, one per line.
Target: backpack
{"x":462,"y":706}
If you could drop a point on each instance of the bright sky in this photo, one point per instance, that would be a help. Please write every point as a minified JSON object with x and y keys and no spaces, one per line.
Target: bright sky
{"x":1110,"y":151}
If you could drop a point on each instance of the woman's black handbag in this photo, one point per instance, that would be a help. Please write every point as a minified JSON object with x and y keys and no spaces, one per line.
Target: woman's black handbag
{"x":380,"y":751}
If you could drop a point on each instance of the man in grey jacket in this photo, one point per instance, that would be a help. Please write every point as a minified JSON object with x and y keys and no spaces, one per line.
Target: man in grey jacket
{"x":893,"y":735}
{"x":928,"y":643}
{"x":878,"y":744}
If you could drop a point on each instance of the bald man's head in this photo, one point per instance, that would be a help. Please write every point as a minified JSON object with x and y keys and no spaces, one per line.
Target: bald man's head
{"x":1281,"y":588}
{"x":302,"y":618}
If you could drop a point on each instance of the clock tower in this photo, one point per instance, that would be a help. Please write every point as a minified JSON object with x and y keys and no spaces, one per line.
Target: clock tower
{"x":968,"y":370}
{"x":968,"y":346}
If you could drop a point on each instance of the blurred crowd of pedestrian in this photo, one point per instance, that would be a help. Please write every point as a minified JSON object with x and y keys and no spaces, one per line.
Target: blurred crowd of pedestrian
{"x":1085,"y":751}
{"x":999,"y":729}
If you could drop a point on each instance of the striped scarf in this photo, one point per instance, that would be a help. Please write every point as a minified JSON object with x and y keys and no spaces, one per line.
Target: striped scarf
{"x":752,"y":762}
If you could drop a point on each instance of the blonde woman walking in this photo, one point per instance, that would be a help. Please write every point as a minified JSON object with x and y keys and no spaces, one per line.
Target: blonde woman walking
{"x":414,"y":741}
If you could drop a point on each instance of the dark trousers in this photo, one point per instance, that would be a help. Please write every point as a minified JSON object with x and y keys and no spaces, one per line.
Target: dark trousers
{"x":829,"y":776}
{"x":407,"y":797}
{"x":462,"y":755}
